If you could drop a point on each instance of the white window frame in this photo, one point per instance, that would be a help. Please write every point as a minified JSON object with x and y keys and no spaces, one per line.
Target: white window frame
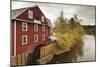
{"x":42,"y":18}
{"x":30,"y":14}
{"x":43,"y":28}
{"x":36,"y":38}
{"x":26,"y":26}
{"x":23,"y":39}
{"x":35,"y":29}
{"x":43,"y":37}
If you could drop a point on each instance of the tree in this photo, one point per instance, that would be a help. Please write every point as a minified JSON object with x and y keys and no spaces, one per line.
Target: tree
{"x":68,"y":34}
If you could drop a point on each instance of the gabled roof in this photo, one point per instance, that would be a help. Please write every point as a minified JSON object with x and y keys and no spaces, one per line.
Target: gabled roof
{"x":15,"y":13}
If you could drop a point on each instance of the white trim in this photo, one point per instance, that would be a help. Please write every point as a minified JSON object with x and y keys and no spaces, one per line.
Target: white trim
{"x":36,"y":38}
{"x":43,"y":28}
{"x":37,"y":21}
{"x":14,"y":38}
{"x":43,"y":37}
{"x":35,"y":27}
{"x":19,"y":13}
{"x":42,"y":18}
{"x":26,"y":39}
{"x":30,"y":14}
{"x":24,"y":23}
{"x":23,"y":20}
{"x":31,"y":22}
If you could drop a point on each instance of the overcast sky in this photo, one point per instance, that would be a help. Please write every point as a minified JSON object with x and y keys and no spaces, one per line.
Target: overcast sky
{"x":52,"y":11}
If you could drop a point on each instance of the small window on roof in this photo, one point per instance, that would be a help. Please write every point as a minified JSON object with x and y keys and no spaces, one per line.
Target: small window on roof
{"x":42,"y":18}
{"x":30,"y":14}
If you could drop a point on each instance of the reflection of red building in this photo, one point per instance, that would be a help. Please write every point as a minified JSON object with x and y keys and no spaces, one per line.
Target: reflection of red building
{"x":29,"y":29}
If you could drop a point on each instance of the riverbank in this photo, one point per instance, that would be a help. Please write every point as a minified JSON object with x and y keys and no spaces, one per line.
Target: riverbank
{"x":80,"y":52}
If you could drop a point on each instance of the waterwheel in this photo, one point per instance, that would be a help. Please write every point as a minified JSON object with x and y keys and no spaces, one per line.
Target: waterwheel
{"x":34,"y":56}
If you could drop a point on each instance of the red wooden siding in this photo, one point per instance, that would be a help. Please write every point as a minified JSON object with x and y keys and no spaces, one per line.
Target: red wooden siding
{"x":36,"y":15}
{"x":30,"y":31}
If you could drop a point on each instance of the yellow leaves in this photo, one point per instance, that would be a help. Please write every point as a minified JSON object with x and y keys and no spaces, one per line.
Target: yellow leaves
{"x":66,"y":40}
{"x":67,"y":34}
{"x":69,"y":38}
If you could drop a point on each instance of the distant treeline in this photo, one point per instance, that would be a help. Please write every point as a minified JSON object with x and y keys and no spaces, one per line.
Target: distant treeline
{"x":89,"y":29}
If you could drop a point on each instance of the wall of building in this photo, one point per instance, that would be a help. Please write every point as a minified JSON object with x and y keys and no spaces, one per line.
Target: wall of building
{"x":30,"y":33}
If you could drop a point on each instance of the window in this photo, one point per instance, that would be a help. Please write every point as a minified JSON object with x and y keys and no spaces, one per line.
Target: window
{"x":30,"y":14}
{"x":35,"y":27}
{"x":35,"y":38}
{"x":43,"y":28}
{"x":24,"y":39}
{"x":24,"y":26}
{"x":42,"y":18}
{"x":43,"y":37}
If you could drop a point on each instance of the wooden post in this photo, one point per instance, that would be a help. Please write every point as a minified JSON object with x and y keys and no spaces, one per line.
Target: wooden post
{"x":19,"y":59}
{"x":23,"y":59}
{"x":13,"y":61}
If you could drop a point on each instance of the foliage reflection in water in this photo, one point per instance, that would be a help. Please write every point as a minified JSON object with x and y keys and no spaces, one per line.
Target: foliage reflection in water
{"x":70,"y":56}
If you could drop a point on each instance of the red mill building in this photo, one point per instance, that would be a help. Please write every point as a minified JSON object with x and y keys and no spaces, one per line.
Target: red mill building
{"x":30,"y":28}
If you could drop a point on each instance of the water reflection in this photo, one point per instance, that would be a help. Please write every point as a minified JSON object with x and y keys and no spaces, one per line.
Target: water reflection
{"x":89,"y":49}
{"x":84,"y":50}
{"x":70,"y":56}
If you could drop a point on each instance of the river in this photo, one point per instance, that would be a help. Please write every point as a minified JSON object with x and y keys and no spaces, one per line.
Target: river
{"x":88,"y":49}
{"x":81,"y":52}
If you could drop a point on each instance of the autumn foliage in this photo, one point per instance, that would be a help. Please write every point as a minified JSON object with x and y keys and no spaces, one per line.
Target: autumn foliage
{"x":68,"y":32}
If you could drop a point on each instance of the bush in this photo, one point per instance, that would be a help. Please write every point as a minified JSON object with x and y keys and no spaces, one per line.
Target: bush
{"x":68,"y":34}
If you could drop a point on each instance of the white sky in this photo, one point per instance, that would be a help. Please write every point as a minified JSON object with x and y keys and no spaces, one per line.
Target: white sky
{"x":52,"y":11}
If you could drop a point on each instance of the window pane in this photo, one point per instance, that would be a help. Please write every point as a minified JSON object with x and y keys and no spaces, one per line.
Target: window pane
{"x":24,"y":26}
{"x":24,"y":39}
{"x":42,"y":18}
{"x":43,"y":36}
{"x":35,"y":38}
{"x":30,"y":14}
{"x":43,"y":28}
{"x":35,"y":27}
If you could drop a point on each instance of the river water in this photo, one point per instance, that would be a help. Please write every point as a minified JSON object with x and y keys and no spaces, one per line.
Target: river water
{"x":81,"y":52}
{"x":88,"y":49}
